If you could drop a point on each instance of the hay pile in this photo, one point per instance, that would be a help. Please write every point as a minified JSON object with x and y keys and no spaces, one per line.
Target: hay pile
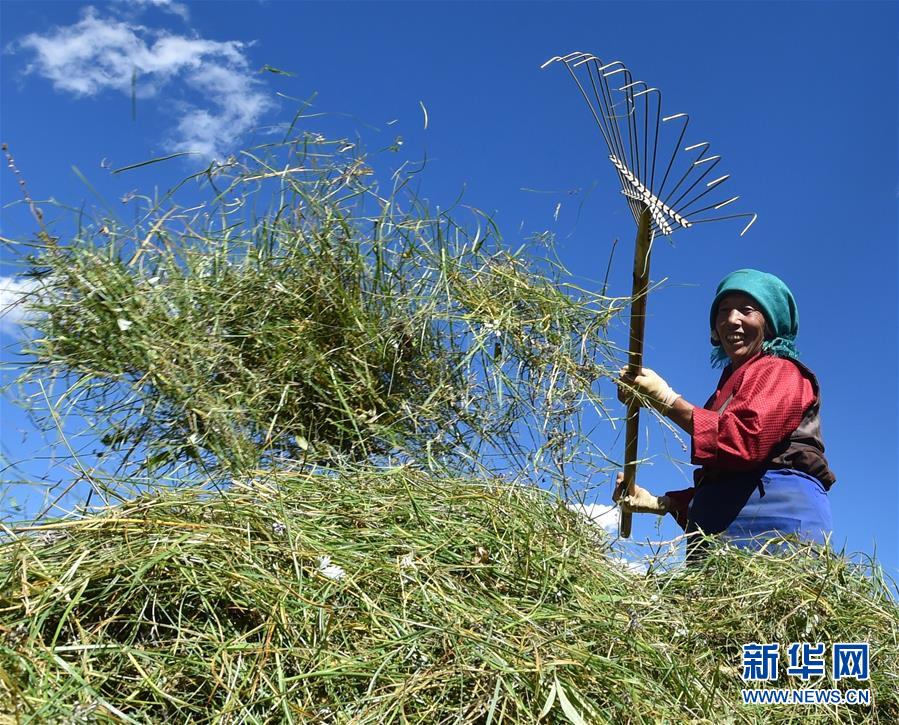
{"x":395,"y":596}
{"x":355,"y":369}
{"x":300,"y":312}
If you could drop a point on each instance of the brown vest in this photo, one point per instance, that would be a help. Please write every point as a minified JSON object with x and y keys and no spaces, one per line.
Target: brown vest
{"x":803,"y":449}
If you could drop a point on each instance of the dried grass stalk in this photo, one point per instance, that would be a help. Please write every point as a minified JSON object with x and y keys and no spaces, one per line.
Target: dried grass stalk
{"x":340,"y":325}
{"x":395,"y":596}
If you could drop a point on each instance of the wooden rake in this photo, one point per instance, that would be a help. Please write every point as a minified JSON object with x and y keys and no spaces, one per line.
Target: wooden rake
{"x":641,"y":143}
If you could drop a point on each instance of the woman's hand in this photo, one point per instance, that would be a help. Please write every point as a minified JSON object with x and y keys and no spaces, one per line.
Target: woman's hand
{"x":640,"y":501}
{"x":646,"y":386}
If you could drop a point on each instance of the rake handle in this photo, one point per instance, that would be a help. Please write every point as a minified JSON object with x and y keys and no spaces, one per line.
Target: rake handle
{"x":639,"y":290}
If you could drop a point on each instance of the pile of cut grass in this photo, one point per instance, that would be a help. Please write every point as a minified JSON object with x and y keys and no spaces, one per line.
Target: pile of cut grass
{"x":299,"y":313}
{"x":395,"y":596}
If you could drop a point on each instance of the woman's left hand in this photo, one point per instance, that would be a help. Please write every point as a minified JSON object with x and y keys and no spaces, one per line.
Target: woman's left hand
{"x":649,"y":386}
{"x":640,"y":501}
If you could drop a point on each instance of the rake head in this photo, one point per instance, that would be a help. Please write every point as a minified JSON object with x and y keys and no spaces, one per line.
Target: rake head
{"x":677,"y":183}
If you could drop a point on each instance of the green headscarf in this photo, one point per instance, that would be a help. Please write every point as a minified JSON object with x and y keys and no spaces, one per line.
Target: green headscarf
{"x":776,"y":302}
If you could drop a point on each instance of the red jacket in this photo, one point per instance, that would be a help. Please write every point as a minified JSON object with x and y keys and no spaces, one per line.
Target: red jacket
{"x":739,"y":428}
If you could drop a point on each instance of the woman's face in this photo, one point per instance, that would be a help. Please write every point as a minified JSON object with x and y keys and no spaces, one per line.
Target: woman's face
{"x":740,"y":326}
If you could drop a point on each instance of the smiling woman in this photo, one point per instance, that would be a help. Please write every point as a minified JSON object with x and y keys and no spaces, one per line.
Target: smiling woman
{"x":758,"y":441}
{"x":739,"y":327}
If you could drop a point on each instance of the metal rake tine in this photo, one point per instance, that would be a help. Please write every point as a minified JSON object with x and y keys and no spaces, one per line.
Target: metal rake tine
{"x":627,"y":101}
{"x":604,"y":117}
{"x":587,"y":57}
{"x":634,"y":157}
{"x":609,"y":105}
{"x":655,"y":140}
{"x":725,"y":203}
{"x":720,"y":180}
{"x":682,"y":208}
{"x":638,"y":161}
{"x":716,"y":206}
{"x":574,"y":60}
{"x":613,"y":63}
{"x":706,"y":160}
{"x":614,"y":142}
{"x":645,"y":92}
{"x":555,"y":59}
{"x":653,"y":89}
{"x":639,"y":191}
{"x":732,"y":216}
{"x":630,"y":97}
{"x":562,"y":58}
{"x":568,"y":57}
{"x":596,"y":116}
{"x":751,"y":222}
{"x":622,"y":69}
{"x":676,"y":209}
{"x":680,"y":139}
{"x":607,"y":126}
{"x":713,"y":161}
{"x":703,"y":146}
{"x":633,"y":134}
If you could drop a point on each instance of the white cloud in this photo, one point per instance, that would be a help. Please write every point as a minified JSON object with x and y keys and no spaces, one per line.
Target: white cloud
{"x":99,"y":54}
{"x":179,"y":9}
{"x":198,"y":129}
{"x":634,"y":566}
{"x":14,"y":313}
{"x":625,"y":553}
{"x":606,"y":517}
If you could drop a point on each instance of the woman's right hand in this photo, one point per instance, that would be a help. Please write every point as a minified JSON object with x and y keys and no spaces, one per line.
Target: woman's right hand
{"x":640,"y":501}
{"x":646,"y":386}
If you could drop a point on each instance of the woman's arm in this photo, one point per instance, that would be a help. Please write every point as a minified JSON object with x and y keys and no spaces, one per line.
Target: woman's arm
{"x":764,"y":406}
{"x":765,"y":402}
{"x":681,"y":414}
{"x":657,"y":393}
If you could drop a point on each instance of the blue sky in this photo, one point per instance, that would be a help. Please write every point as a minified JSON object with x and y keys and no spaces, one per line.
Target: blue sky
{"x":799,"y":98}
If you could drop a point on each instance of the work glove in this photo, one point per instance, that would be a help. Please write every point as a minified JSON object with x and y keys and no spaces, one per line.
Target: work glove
{"x":649,"y":386}
{"x":640,"y":501}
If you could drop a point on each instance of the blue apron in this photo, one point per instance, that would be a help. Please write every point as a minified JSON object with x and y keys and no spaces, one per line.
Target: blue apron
{"x":748,"y":510}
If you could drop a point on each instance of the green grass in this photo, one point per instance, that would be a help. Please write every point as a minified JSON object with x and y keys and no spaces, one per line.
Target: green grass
{"x":461,"y":600}
{"x":317,"y":318}
{"x":336,"y":373}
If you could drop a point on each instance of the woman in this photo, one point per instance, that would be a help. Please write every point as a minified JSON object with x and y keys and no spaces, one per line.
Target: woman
{"x":757,"y":440}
